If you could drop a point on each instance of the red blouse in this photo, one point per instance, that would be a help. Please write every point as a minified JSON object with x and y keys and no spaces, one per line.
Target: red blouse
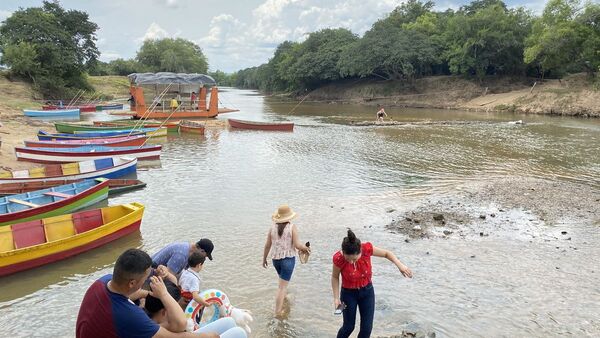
{"x":357,"y":275}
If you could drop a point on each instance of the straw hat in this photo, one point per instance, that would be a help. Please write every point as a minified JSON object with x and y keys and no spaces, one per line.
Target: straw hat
{"x":284,"y":214}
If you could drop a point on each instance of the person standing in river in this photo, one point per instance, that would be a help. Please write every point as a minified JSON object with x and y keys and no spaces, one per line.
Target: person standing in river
{"x":283,"y":241}
{"x":353,"y":263}
{"x":380,"y":114}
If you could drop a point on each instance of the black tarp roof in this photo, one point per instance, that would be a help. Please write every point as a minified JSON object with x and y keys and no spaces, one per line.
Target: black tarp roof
{"x":170,"y":78}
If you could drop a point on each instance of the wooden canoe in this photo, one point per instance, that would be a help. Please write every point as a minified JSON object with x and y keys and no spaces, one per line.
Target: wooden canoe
{"x":119,"y":186}
{"x":241,"y":124}
{"x":86,"y":108}
{"x":45,"y":136}
{"x":77,"y":128}
{"x":191,"y":127}
{"x":109,"y":142}
{"x":51,"y":113}
{"x":110,"y":106}
{"x":150,"y":132}
{"x":114,"y":167}
{"x":28,"y":245}
{"x":65,"y":155}
{"x":52,"y":201}
{"x":171,"y":126}
{"x":115,"y":186}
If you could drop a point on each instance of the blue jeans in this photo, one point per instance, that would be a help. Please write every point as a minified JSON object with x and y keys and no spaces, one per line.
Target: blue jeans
{"x":285,"y":267}
{"x":364,"y":299}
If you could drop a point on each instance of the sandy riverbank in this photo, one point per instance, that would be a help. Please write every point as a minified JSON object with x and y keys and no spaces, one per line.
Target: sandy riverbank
{"x":574,"y":95}
{"x":14,"y":130}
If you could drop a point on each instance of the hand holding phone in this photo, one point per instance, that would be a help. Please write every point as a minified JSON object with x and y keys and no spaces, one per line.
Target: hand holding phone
{"x":340,"y":308}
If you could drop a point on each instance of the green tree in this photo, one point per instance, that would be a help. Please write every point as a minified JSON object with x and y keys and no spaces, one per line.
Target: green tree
{"x":172,"y":55}
{"x":124,"y":67}
{"x":22,"y":58}
{"x":566,"y":38}
{"x":59,"y":46}
{"x":316,"y":59}
{"x":389,"y":52}
{"x":489,"y":40}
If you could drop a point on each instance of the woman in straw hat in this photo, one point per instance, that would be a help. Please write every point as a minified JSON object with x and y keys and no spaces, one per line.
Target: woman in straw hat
{"x":282,"y":242}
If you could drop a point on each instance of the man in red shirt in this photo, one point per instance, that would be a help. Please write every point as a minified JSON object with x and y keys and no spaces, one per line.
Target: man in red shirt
{"x":107,"y":311}
{"x":353,"y":262}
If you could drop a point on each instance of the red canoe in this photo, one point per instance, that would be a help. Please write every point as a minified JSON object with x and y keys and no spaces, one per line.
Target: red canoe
{"x":191,"y":127}
{"x":126,"y":141}
{"x":87,"y":108}
{"x":241,"y":124}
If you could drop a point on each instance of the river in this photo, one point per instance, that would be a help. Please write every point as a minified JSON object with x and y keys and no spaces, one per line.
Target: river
{"x":226,"y":184}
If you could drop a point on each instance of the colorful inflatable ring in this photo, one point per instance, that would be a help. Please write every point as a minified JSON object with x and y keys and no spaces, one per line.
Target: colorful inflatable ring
{"x":194,"y":311}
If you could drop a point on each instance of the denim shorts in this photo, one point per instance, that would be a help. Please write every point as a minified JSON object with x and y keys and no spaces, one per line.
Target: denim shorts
{"x":285,"y":267}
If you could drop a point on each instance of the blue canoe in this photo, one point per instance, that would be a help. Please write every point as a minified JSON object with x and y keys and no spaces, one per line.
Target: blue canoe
{"x":51,"y":113}
{"x":115,"y":106}
{"x":45,"y":136}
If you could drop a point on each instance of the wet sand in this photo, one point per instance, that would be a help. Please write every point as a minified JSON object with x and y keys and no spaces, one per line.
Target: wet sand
{"x":15,"y":129}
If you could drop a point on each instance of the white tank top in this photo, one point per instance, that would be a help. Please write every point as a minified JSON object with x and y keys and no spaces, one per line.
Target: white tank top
{"x":282,"y":247}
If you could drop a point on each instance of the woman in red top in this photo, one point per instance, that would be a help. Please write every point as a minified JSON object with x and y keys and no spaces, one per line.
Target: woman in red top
{"x":353,"y":262}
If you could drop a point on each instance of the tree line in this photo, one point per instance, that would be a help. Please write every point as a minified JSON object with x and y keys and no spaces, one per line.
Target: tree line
{"x":482,"y":38}
{"x":55,"y":49}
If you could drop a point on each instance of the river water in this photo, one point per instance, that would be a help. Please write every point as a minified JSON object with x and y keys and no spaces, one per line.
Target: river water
{"x":226,"y":184}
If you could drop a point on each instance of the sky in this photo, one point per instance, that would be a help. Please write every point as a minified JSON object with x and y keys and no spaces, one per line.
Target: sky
{"x":232,"y":34}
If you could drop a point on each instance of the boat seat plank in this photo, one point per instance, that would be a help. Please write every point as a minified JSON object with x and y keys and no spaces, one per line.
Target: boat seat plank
{"x":58,"y":227}
{"x":28,"y":234}
{"x":6,"y":239}
{"x":57,"y":194}
{"x":29,"y":204}
{"x":103,"y":163}
{"x":87,"y":220}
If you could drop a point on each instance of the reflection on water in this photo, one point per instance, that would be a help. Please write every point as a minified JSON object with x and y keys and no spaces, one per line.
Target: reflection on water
{"x":224,"y":186}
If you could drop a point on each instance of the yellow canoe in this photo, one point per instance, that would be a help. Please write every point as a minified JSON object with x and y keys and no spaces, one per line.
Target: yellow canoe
{"x":27,"y":245}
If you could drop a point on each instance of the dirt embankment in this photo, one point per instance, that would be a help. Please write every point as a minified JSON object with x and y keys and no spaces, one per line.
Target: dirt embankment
{"x":574,"y":95}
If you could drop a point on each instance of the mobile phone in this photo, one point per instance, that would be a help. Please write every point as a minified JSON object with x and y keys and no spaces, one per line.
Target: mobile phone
{"x":339,"y":309}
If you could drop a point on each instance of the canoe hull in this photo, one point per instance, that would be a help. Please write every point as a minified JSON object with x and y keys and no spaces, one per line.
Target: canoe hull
{"x":124,"y":167}
{"x":51,"y":113}
{"x":172,"y":127}
{"x":72,"y":128}
{"x":240,"y":124}
{"x":82,"y":108}
{"x":49,"y":252}
{"x":42,"y":155}
{"x":90,"y":196}
{"x":115,"y":186}
{"x":45,"y":136}
{"x":191,"y":127}
{"x":117,"y":142}
{"x":118,"y":106}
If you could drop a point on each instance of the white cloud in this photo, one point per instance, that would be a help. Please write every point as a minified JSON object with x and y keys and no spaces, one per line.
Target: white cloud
{"x":169,"y":3}
{"x":109,"y":56}
{"x":4,"y":14}
{"x":154,"y":32}
{"x":231,"y":45}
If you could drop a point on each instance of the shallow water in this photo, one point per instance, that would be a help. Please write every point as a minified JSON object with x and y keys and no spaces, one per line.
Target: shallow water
{"x":225,"y":186}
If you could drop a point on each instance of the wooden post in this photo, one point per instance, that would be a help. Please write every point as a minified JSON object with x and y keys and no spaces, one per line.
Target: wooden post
{"x":531,"y":90}
{"x":202,"y":99}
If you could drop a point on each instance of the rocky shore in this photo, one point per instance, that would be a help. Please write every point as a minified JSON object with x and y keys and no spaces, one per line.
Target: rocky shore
{"x":515,"y":207}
